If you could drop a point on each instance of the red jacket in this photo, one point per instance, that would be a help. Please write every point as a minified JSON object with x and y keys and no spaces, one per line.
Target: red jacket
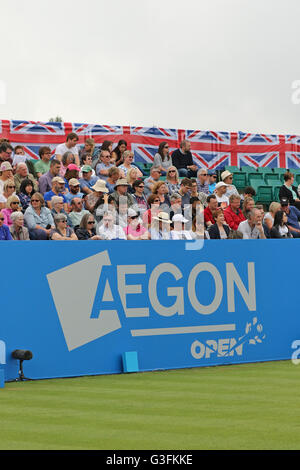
{"x":232,"y":218}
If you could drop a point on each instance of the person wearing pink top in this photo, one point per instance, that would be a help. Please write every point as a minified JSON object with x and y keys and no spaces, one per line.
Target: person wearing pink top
{"x":135,"y":230}
{"x":12,"y":205}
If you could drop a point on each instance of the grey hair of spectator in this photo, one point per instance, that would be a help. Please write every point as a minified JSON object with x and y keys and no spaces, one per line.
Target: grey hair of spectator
{"x":175,"y":197}
{"x":20,"y":165}
{"x":154,"y":168}
{"x":252,"y":213}
{"x":16,"y":215}
{"x":65,"y":157}
{"x":59,"y":217}
{"x":56,"y":200}
{"x":200,"y":171}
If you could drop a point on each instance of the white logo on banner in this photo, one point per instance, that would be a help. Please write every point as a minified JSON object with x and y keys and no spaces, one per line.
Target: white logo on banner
{"x":82,"y":321}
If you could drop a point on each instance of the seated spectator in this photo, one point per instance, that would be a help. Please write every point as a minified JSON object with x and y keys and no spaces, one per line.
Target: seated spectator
{"x":176,"y":206}
{"x":22,"y":174}
{"x":289,"y":191}
{"x":26,"y":191}
{"x":185,"y":192}
{"x":293,"y":217}
{"x":108,"y":230}
{"x":135,"y":230}
{"x":61,"y":230}
{"x":86,"y":229}
{"x":117,"y":153}
{"x":42,"y":165}
{"x":58,"y":188}
{"x":19,"y":156}
{"x":280,"y":228}
{"x":69,"y":145}
{"x":154,"y":177}
{"x":74,"y":190}
{"x":87,"y":181}
{"x":160,"y":189}
{"x":17,"y":229}
{"x":103,"y":165}
{"x":248,"y":192}
{"x":4,"y":229}
{"x":12,"y":205}
{"x":6,"y":173}
{"x":89,"y":148}
{"x":108,"y":145}
{"x":212,"y":205}
{"x":202,"y":183}
{"x":153,"y":204}
{"x":269,"y":216}
{"x":6,"y":151}
{"x":113,"y":176}
{"x":45,"y":181}
{"x":128,"y":157}
{"x":140,"y":201}
{"x":172,"y":180}
{"x":252,"y":228}
{"x":57,"y":204}
{"x":212,"y":180}
{"x":162,"y":159}
{"x":227,"y":178}
{"x":132,"y":176}
{"x":198,"y":228}
{"x":233,"y":214}
{"x":121,"y":191}
{"x":8,"y":190}
{"x":182,"y":159}
{"x":67,"y":159}
{"x":98,"y":197}
{"x":71,"y":172}
{"x":248,"y":205}
{"x":77,"y":212}
{"x":38,"y":218}
{"x":260,"y":207}
{"x":160,"y":227}
{"x":195,"y":194}
{"x":87,"y":161}
{"x":179,"y":231}
{"x":220,"y":229}
{"x":220,"y":192}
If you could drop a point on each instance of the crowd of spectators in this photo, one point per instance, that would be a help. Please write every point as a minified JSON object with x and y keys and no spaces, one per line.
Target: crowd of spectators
{"x":89,"y":192}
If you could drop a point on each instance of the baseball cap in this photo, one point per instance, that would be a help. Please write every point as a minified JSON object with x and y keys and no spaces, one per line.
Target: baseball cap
{"x":58,"y":179}
{"x":284,"y":201}
{"x":86,"y":168}
{"x":5,"y":166}
{"x":72,"y":166}
{"x":220,"y":184}
{"x":73,"y":182}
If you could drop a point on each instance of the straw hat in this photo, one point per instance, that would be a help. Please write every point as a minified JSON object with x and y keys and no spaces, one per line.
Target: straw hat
{"x":163,"y":217}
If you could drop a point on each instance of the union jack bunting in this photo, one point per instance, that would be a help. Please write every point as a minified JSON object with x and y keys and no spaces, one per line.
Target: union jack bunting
{"x":210,"y":149}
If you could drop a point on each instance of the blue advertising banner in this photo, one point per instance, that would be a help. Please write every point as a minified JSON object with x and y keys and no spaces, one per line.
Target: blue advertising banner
{"x":80,"y":306}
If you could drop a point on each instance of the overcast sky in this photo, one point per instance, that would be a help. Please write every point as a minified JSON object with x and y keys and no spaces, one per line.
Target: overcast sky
{"x":223,"y":65}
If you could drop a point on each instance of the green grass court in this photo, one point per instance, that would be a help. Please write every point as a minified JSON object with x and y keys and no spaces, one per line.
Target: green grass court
{"x":249,"y":406}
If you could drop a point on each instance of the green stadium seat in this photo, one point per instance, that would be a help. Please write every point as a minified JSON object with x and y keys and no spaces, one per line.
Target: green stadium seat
{"x":297,"y":179}
{"x":276,"y":193}
{"x":232,"y":169}
{"x":264,"y":170}
{"x":272,"y":176}
{"x":264,"y":194}
{"x":239,"y":180}
{"x":273,"y":182}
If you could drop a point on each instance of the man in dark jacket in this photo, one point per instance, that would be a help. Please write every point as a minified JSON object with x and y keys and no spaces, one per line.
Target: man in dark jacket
{"x":182,"y":159}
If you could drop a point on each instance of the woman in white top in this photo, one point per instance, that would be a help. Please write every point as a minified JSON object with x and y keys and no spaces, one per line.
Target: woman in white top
{"x":127,"y":165}
{"x":269,"y":216}
{"x":162,"y":159}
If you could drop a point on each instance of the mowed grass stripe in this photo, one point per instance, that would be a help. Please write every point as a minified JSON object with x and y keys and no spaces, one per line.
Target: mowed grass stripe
{"x":244,"y":406}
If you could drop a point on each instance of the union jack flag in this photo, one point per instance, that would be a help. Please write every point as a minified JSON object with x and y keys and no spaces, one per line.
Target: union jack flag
{"x":210,"y":149}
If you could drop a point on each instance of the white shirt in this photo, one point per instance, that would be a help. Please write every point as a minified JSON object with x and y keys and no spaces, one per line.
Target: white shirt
{"x":182,"y":235}
{"x":109,"y":233}
{"x":222,"y":199}
{"x":62,"y":148}
{"x":247,"y":232}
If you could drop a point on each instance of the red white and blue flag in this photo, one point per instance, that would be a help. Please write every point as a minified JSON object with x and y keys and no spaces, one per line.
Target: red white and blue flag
{"x":210,"y":149}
